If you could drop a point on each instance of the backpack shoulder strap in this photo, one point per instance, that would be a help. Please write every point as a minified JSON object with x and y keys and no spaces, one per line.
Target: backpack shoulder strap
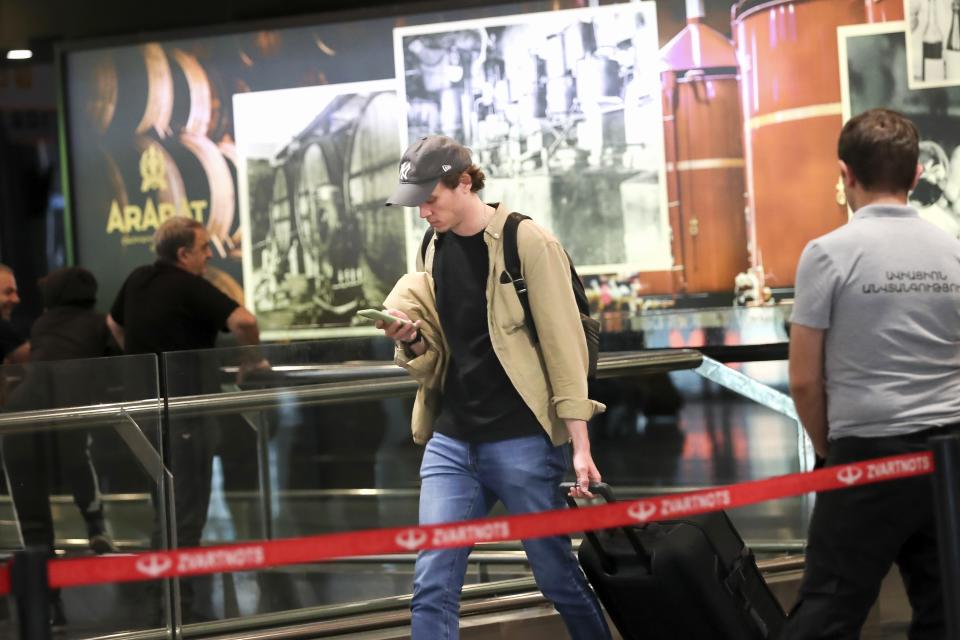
{"x":424,"y":245}
{"x":511,"y":263}
{"x":511,"y":253}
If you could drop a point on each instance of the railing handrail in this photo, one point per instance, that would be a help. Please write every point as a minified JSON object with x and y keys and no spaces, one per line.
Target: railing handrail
{"x":610,"y":365}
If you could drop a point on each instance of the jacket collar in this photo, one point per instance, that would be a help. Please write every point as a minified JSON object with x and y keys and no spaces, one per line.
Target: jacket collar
{"x":495,"y":226}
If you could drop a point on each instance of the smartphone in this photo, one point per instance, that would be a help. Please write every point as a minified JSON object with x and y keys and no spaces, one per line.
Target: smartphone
{"x":377,"y":314}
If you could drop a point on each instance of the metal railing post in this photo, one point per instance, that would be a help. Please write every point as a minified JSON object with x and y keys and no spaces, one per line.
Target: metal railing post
{"x":946,"y":490}
{"x":28,"y":577}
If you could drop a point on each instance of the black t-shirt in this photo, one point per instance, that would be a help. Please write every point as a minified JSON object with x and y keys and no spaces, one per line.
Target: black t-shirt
{"x":479,"y":403}
{"x":9,"y":339}
{"x":162,"y":308}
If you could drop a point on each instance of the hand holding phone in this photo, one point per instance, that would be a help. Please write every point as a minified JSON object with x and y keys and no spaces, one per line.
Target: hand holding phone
{"x":377,"y":314}
{"x":402,"y":330}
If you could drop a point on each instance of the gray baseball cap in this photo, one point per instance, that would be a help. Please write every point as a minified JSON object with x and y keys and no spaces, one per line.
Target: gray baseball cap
{"x":423,"y":164}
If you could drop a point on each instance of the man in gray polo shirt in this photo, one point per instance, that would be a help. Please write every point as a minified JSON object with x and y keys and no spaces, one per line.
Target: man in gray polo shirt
{"x":875,"y":371}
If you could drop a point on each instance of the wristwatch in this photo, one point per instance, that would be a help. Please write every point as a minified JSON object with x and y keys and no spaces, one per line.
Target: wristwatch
{"x":416,"y":338}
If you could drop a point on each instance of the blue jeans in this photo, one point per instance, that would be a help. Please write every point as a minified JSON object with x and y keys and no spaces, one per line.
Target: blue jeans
{"x":461,"y":481}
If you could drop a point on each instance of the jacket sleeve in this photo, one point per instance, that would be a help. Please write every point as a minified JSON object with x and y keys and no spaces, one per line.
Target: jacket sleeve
{"x":411,"y":296}
{"x":563,"y":345}
{"x":422,"y":368}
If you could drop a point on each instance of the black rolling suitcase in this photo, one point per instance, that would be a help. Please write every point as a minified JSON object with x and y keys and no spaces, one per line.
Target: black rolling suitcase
{"x":690,"y":579}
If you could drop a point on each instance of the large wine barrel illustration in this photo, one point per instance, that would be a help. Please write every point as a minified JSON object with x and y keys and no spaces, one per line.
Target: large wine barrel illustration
{"x":192,"y":97}
{"x":339,"y":171}
{"x":371,"y":175}
{"x":281,"y":212}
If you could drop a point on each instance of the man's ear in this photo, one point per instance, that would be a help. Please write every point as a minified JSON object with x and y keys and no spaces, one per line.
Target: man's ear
{"x":916,"y":177}
{"x":849,"y":180}
{"x":466,"y":181}
{"x":181,"y":254}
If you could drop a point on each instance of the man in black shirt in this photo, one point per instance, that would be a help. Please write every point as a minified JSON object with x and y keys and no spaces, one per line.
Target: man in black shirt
{"x":169,"y":306}
{"x":13,"y":348}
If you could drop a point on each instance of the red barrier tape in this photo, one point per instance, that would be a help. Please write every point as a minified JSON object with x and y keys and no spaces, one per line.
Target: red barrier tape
{"x":5,"y":579}
{"x":75,"y":572}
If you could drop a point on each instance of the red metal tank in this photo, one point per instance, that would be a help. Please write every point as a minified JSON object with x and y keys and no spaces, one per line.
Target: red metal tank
{"x":790,"y":100}
{"x":704,"y":154}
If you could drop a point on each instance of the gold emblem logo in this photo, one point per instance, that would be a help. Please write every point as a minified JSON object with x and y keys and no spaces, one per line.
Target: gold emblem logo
{"x":152,"y":170}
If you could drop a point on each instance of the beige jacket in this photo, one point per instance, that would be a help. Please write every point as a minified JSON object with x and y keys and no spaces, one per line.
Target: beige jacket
{"x":550,"y":376}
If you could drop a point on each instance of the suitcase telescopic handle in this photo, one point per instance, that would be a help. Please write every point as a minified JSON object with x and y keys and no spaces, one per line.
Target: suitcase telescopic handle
{"x":603,"y":490}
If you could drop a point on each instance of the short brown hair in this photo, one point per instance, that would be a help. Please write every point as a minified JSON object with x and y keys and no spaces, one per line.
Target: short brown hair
{"x":881,"y":148}
{"x":477,"y":178}
{"x":173,"y":234}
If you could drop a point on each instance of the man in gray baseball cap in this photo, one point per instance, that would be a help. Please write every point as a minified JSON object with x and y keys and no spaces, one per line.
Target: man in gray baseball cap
{"x":500,"y":416}
{"x":422,"y":166}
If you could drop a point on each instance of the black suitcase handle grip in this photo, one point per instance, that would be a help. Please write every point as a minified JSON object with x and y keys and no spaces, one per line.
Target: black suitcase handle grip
{"x":603,"y":490}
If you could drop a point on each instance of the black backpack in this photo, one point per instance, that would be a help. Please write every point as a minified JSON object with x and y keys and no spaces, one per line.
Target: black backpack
{"x":511,"y":260}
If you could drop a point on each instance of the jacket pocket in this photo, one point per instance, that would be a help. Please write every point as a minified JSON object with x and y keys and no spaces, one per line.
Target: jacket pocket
{"x":507,"y":310}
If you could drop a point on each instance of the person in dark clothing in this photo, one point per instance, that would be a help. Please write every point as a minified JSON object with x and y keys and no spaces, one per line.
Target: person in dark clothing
{"x":68,"y":329}
{"x":168,"y":306}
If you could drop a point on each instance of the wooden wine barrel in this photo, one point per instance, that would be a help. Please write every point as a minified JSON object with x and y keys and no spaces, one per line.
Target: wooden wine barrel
{"x":233,"y":240}
{"x":102,"y":186}
{"x":206,"y":173}
{"x":192,"y":98}
{"x":127,"y":93}
{"x":226,"y":283}
{"x":318,"y":204}
{"x":373,"y":152}
{"x":281,"y":211}
{"x":172,"y":190}
{"x":146,"y":84}
{"x":97,"y":86}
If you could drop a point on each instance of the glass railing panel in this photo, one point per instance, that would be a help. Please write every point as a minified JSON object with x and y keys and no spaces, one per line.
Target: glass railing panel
{"x":296,"y":445}
{"x":677,"y":431}
{"x":671,"y":431}
{"x":82,"y":475}
{"x":778,"y":446}
{"x":293,"y":444}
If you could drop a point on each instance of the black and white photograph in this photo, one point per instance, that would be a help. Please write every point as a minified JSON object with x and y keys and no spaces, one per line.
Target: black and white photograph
{"x":933,"y":42}
{"x":316,"y":166}
{"x":873,"y":73}
{"x":562,"y":110}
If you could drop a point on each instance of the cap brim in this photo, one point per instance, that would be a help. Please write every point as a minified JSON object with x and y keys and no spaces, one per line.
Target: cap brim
{"x":412,"y":195}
